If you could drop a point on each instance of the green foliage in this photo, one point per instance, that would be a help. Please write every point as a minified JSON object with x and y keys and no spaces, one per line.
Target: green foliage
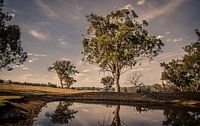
{"x":185,"y":72}
{"x":107,"y":81}
{"x":118,"y":41}
{"x":64,"y":70}
{"x":11,"y":51}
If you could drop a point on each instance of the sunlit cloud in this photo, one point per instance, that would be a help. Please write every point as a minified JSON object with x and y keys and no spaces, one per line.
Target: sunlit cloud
{"x":128,"y":6}
{"x":46,"y":9}
{"x":140,"y":69}
{"x":38,"y":35}
{"x":32,"y":60}
{"x":22,"y":67}
{"x":141,"y":2}
{"x":36,"y":55}
{"x":169,"y":55}
{"x":12,"y":14}
{"x":159,"y":37}
{"x":87,"y":70}
{"x":62,"y":42}
{"x":161,"y":10}
{"x":177,"y":40}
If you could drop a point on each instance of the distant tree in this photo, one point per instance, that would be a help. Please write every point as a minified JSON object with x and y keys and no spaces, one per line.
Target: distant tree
{"x":64,"y":70}
{"x":134,"y":80}
{"x":11,"y":51}
{"x":118,"y":42}
{"x":185,"y":72}
{"x":108,"y":82}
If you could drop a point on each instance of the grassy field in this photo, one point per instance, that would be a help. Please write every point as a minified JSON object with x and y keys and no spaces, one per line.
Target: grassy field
{"x":9,"y":92}
{"x":37,"y":90}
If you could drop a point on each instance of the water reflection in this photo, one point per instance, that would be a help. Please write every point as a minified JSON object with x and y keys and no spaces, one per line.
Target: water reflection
{"x":63,"y":114}
{"x":116,"y":119}
{"x":181,"y":118}
{"x":76,"y":114}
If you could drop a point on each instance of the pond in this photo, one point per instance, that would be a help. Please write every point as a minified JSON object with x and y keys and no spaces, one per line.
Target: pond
{"x":82,"y":114}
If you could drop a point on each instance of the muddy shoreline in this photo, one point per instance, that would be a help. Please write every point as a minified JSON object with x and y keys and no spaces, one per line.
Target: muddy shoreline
{"x":22,"y":111}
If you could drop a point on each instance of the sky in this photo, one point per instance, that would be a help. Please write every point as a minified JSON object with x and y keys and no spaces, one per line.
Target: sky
{"x":51,"y":30}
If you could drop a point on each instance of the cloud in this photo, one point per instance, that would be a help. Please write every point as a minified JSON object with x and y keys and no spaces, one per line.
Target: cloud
{"x":161,"y":10}
{"x":38,"y":35}
{"x":46,"y":9}
{"x":12,"y":14}
{"x":177,"y":40}
{"x":87,"y":70}
{"x":168,"y":40}
{"x":23,"y":67}
{"x":141,"y":2}
{"x":36,"y":55}
{"x":25,"y":77}
{"x":159,"y":37}
{"x":32,"y":60}
{"x":169,"y":55}
{"x":62,"y":41}
{"x":128,"y":6}
{"x":140,"y":69}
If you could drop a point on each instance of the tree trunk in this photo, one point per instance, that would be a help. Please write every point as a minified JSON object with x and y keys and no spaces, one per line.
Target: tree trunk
{"x":61,"y":83}
{"x":116,"y":81}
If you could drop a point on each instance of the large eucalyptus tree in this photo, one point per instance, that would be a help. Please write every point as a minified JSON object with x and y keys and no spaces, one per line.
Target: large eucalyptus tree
{"x":117,"y":42}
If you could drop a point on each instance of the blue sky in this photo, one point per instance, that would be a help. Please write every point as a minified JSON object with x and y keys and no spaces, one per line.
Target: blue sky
{"x":51,"y":30}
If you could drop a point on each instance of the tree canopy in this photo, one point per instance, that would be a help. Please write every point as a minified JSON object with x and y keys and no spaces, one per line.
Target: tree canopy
{"x":64,"y":70}
{"x":118,"y":41}
{"x":11,"y":51}
{"x":185,"y":72}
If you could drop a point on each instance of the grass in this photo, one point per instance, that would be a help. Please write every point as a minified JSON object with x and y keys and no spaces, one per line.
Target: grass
{"x":10,"y":97}
{"x":37,"y":90}
{"x":13,"y":91}
{"x":5,"y":99}
{"x":3,"y":102}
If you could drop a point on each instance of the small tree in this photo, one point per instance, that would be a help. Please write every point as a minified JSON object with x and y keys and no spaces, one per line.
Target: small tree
{"x":64,"y":70}
{"x":107,"y":81}
{"x":185,"y":72}
{"x":117,"y":42}
{"x":134,"y":80}
{"x":11,"y":51}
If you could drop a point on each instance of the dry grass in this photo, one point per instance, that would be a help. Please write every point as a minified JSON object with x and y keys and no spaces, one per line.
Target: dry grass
{"x":10,"y":97}
{"x":38,"y":90}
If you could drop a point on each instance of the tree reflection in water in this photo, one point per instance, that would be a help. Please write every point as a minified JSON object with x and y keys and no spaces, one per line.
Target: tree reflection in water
{"x":116,"y":119}
{"x":181,"y":118}
{"x":63,"y":114}
{"x":172,"y":117}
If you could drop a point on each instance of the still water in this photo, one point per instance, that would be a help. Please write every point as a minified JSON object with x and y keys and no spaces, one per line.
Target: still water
{"x":81,"y":114}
